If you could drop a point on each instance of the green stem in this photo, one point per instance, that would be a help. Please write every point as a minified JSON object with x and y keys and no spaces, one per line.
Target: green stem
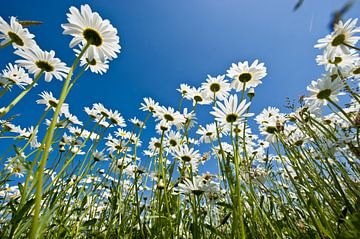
{"x":341,"y":110}
{"x":49,"y":137}
{"x":21,"y":95}
{"x":353,"y":47}
{"x":6,"y":44}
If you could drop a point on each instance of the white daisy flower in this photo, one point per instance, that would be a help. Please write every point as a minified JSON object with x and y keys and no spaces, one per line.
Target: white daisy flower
{"x":169,"y":115}
{"x":266,"y":114}
{"x":184,"y":89}
{"x":187,"y":155}
{"x":342,"y":35}
{"x":101,"y":110}
{"x":137,"y":122}
{"x":36,"y":60}
{"x":95,"y":65}
{"x":88,"y":27}
{"x":162,"y":127}
{"x":93,"y":113}
{"x":73,"y":119}
{"x":217,"y":86}
{"x":13,"y":74}
{"x":15,"y":167}
{"x":229,"y":112}
{"x":173,"y":139}
{"x":337,"y":60}
{"x":122,"y":133}
{"x":355,"y":70}
{"x":15,"y":33}
{"x":149,"y":105}
{"x":198,"y":96}
{"x":116,"y":118}
{"x":242,"y":74}
{"x":208,"y":133}
{"x":50,"y":101}
{"x":99,"y":156}
{"x":198,"y":185}
{"x":322,"y":90}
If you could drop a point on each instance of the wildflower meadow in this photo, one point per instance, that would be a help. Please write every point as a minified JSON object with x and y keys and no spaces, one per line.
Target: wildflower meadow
{"x":291,"y":174}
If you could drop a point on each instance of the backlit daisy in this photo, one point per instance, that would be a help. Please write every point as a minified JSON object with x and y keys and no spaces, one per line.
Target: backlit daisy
{"x":198,"y":185}
{"x":36,"y":60}
{"x":187,"y":155}
{"x":208,"y":133}
{"x":242,"y":74}
{"x":229,"y":112}
{"x":342,"y":35}
{"x":324,"y":89}
{"x":337,"y":60}
{"x":216,"y":86}
{"x":15,"y":33}
{"x":87,"y":27}
{"x":149,"y":105}
{"x":15,"y":75}
{"x":50,"y":101}
{"x":95,"y":65}
{"x":198,"y":96}
{"x":169,"y":115}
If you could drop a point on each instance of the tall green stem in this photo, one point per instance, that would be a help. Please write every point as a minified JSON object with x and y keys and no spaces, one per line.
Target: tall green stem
{"x":48,"y":142}
{"x":21,"y":95}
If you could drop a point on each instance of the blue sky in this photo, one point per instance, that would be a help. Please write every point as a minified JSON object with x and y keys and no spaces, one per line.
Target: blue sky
{"x":165,"y":43}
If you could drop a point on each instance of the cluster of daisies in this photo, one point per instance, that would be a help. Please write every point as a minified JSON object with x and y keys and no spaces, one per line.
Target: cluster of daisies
{"x":95,"y":42}
{"x":100,"y":160}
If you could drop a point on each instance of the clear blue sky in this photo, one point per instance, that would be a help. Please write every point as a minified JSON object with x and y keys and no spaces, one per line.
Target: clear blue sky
{"x":165,"y":43}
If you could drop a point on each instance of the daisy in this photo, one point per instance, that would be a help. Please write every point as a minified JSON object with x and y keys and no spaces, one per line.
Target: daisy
{"x":93,"y":113}
{"x":198,"y":96}
{"x":169,"y":115}
{"x":208,"y":133}
{"x":342,"y":35}
{"x":95,"y":65}
{"x":50,"y":101}
{"x":267,"y":114}
{"x":173,"y":139}
{"x":15,"y":167}
{"x":101,"y":110}
{"x":323,"y":90}
{"x":73,"y":119}
{"x":137,"y":122}
{"x":184,"y":89}
{"x":28,"y":133}
{"x":337,"y":60}
{"x":78,"y":132}
{"x":87,"y":27}
{"x":229,"y":112}
{"x":216,"y":86}
{"x":116,"y":118}
{"x":13,"y":74}
{"x":198,"y":185}
{"x":99,"y":156}
{"x":190,"y":119}
{"x":355,"y":70}
{"x":243,"y":74}
{"x":15,"y":33}
{"x":154,"y":144}
{"x":149,"y":105}
{"x":122,"y":133}
{"x":36,"y":61}
{"x":162,"y":127}
{"x":77,"y":150}
{"x":116,"y":145}
{"x":187,"y":155}
{"x":10,"y":191}
{"x":270,"y":128}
